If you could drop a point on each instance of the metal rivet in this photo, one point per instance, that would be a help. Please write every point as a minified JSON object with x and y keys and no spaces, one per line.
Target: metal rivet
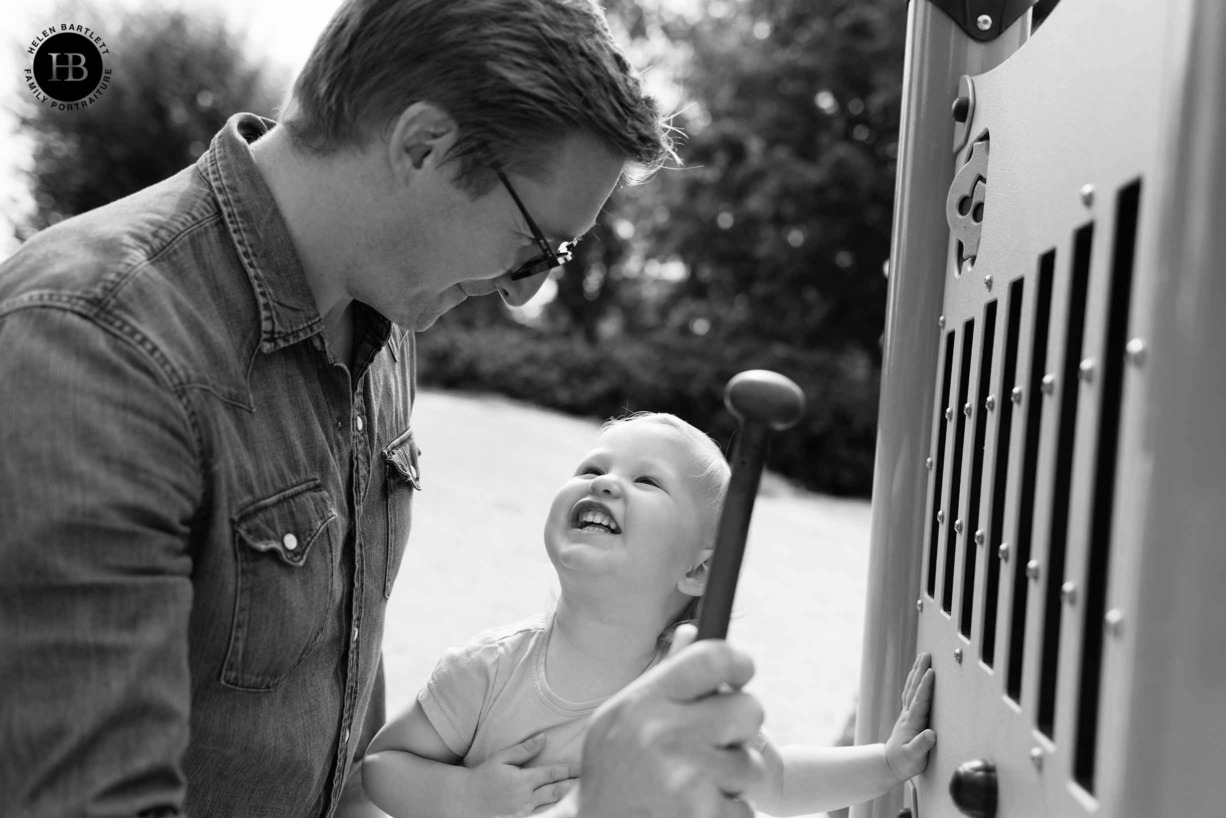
{"x":984,"y":21}
{"x":949,"y":414}
{"x":1135,"y":352}
{"x":919,"y":605}
{"x":968,"y":264}
{"x":290,"y":542}
{"x":1036,"y":757}
{"x":987,"y":281}
{"x":1085,"y":370}
{"x":1032,"y":569}
{"x":980,"y":537}
{"x":958,"y":655}
{"x":1048,"y":384}
{"x":1114,"y":621}
{"x":966,"y":410}
{"x":990,"y":403}
{"x":941,"y":322}
{"x":1003,"y":552}
{"x":355,"y":633}
{"x":1087,"y":195}
{"x":958,"y":526}
{"x":928,"y":463}
{"x":360,"y":423}
{"x":940,"y":516}
{"x":961,"y":109}
{"x":1068,"y":592}
{"x":885,"y":268}
{"x":345,"y":736}
{"x":1016,"y":394}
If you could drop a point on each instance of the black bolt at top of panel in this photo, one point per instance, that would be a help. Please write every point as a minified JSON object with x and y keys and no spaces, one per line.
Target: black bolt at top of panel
{"x":984,"y":20}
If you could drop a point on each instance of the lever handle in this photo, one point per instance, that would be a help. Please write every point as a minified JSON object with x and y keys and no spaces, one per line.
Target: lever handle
{"x":765,"y":402}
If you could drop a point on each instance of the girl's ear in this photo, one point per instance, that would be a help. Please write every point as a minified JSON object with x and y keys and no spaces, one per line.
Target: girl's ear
{"x":695,"y":580}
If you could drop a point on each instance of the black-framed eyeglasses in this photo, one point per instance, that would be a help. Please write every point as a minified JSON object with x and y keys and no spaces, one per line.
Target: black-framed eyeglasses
{"x":548,"y":258}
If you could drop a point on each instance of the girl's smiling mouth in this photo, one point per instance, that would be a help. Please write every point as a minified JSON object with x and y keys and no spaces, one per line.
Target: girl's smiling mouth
{"x":590,"y":515}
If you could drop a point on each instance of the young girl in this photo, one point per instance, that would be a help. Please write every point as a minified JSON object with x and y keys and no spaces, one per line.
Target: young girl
{"x":498,"y":728}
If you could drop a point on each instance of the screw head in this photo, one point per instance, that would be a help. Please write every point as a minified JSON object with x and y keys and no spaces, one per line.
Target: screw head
{"x":990,"y":403}
{"x":1036,"y":757}
{"x":987,"y":281}
{"x":928,"y":463}
{"x":1085,"y":370}
{"x":958,"y":655}
{"x":1016,"y":394}
{"x":961,"y":109}
{"x":966,"y":410}
{"x":949,"y":413}
{"x":1068,"y":592}
{"x":1087,"y":194}
{"x":1032,"y":570}
{"x":1003,"y":552}
{"x":1048,"y":384}
{"x":919,"y":605}
{"x":1134,"y":352}
{"x":980,"y":537}
{"x":984,"y":22}
{"x":968,"y":264}
{"x":941,"y":517}
{"x":958,"y":526}
{"x":885,"y":268}
{"x":941,"y":322}
{"x":1114,"y":621}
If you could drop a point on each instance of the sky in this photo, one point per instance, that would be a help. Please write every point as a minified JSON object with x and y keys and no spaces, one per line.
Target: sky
{"x":284,"y":30}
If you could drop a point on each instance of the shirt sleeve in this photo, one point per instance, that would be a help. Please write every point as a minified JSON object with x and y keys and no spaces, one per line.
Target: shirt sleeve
{"x":459,"y":689}
{"x":99,"y":479}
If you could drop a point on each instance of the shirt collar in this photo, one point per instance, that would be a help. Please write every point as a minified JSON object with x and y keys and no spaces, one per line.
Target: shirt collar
{"x":287,"y":308}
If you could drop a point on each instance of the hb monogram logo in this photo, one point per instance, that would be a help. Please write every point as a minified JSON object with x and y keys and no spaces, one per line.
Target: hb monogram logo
{"x":68,"y":69}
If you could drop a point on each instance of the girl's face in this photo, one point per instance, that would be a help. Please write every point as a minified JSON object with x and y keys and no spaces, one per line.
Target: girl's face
{"x":635,"y":512}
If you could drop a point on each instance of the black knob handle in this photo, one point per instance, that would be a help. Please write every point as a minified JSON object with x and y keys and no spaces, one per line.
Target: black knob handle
{"x":765,"y":397}
{"x":973,"y":788}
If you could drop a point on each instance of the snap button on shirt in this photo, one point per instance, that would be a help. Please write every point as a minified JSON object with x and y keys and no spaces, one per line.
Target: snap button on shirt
{"x":290,"y":542}
{"x":360,"y":424}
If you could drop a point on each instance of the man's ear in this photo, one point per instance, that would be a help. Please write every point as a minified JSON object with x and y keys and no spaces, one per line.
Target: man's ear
{"x":421,"y":136}
{"x":695,"y":580}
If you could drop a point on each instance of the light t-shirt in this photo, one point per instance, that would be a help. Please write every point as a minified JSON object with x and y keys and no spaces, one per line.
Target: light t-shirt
{"x":492,"y":694}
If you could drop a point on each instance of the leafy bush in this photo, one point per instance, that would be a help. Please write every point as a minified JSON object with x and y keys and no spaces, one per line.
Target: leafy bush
{"x":830,"y":450}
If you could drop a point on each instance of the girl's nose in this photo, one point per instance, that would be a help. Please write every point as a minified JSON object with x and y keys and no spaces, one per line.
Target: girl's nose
{"x":606,"y":484}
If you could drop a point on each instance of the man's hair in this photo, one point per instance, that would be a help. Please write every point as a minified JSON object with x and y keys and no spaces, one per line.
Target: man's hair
{"x":517,"y":76}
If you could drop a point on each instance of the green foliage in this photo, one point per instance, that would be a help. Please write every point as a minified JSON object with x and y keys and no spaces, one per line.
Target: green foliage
{"x":177,"y":79}
{"x":831,"y":449}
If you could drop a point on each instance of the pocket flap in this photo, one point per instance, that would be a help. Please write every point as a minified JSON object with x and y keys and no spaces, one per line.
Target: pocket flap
{"x":288,"y":523}
{"x":401,"y":458}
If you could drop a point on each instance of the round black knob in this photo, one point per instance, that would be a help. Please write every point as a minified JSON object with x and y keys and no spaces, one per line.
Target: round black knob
{"x":973,"y":788}
{"x":961,"y":109}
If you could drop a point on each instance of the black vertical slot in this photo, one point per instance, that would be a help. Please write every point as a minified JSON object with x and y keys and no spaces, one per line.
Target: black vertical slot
{"x":1127,"y":210}
{"x":942,"y":425}
{"x":955,"y":475}
{"x":980,"y":420}
{"x":1004,"y":428}
{"x":1030,"y":462}
{"x":1062,"y":483}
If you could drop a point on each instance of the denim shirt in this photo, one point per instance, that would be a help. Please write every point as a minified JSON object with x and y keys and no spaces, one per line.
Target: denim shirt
{"x":201,"y":510}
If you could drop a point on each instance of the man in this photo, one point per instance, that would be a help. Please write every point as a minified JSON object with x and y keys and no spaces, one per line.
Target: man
{"x":208,"y":461}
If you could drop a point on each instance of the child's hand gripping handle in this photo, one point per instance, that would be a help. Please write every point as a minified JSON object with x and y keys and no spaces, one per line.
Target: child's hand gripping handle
{"x":765,"y":402}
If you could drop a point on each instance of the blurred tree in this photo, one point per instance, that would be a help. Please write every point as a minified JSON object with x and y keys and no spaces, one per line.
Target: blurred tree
{"x":177,"y":78}
{"x":781,"y":215}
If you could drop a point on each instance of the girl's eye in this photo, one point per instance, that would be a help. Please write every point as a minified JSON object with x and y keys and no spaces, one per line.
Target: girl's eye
{"x":590,"y":471}
{"x":651,"y":481}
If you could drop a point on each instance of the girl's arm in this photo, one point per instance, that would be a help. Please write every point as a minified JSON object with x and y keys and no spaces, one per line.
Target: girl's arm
{"x":802,"y":779}
{"x":409,"y":771}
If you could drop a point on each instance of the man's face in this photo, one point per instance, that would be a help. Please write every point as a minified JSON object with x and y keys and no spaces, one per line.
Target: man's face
{"x":453,"y":247}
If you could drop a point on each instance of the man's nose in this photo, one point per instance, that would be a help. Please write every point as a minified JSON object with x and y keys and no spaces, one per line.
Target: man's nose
{"x":518,"y":293}
{"x":606,"y":484}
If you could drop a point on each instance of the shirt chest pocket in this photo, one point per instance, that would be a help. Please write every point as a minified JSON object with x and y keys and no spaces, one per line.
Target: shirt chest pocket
{"x":403,"y":478}
{"x":285,"y":558}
